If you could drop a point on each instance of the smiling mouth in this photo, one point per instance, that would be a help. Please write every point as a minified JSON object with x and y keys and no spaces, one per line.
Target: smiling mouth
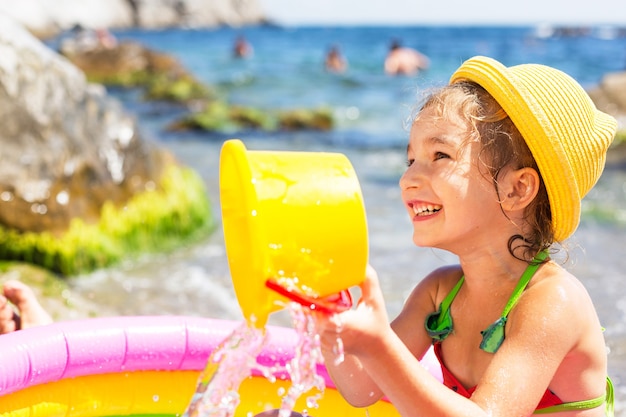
{"x":425,"y":210}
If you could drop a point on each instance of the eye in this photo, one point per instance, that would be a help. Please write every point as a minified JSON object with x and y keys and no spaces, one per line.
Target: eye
{"x":409,"y":162}
{"x":441,"y":155}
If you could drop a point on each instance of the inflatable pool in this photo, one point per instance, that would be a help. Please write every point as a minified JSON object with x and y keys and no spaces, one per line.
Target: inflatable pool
{"x":139,"y":366}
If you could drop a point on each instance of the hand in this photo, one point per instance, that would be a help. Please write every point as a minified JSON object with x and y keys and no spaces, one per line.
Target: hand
{"x":19,"y":308}
{"x":359,"y":327}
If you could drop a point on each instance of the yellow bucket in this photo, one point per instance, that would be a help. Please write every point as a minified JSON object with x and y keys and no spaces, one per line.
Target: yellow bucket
{"x":293,"y":218}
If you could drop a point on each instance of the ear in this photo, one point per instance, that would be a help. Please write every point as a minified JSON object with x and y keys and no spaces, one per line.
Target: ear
{"x":519,"y":188}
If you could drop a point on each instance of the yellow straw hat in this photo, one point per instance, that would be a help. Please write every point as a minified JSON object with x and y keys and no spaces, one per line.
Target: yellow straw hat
{"x":566,"y":134}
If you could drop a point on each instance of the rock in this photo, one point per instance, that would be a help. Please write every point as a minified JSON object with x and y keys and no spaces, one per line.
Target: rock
{"x":70,"y":155}
{"x":610,"y":96}
{"x":163,"y":78}
{"x":220,"y":117}
{"x":47,"y":18}
{"x":67,"y":146}
{"x":130,"y":64}
{"x":44,"y":18}
{"x":313,"y":119}
{"x":196,"y":13}
{"x":55,"y":295}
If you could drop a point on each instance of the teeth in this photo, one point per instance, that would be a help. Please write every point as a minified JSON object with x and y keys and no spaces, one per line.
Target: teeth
{"x":425,"y":210}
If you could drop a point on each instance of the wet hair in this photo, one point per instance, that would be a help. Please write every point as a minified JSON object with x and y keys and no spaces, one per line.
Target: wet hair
{"x":502,"y":147}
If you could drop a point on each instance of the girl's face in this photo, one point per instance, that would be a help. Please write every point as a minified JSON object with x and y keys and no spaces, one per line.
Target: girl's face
{"x":452,"y":205}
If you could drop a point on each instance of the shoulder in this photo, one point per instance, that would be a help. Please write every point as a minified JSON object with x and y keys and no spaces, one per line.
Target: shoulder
{"x":431,"y":290}
{"x":423,"y":300}
{"x":440,"y":282}
{"x":555,"y":303}
{"x":555,"y":330}
{"x":557,"y":287}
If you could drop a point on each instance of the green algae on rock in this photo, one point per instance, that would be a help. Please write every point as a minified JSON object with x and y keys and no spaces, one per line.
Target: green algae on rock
{"x":176,"y":211}
{"x":130,"y":64}
{"x":296,"y":119}
{"x":162,"y":77}
{"x":218,"y":116}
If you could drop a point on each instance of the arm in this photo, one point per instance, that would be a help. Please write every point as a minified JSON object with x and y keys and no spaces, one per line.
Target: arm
{"x":350,"y":377}
{"x":512,"y":382}
{"x":382,"y":361}
{"x":390,"y":355}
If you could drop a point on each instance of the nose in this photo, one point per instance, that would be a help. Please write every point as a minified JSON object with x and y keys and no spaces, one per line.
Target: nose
{"x":410,"y":178}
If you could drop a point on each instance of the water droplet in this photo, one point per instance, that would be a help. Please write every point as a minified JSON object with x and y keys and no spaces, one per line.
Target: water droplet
{"x":39,"y":208}
{"x":352,"y":113}
{"x":63,"y":197}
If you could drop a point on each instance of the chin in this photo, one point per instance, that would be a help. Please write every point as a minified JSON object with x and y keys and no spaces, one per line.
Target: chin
{"x":419,"y":241}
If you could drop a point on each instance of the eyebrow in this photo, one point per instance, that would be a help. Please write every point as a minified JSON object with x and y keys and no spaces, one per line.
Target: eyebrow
{"x":434,"y":140}
{"x":438,"y":140}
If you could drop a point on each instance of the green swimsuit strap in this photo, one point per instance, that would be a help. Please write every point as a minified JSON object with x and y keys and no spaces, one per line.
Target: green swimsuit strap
{"x":493,"y":336}
{"x":439,"y":324}
{"x":524,"y":280}
{"x":608,"y":396}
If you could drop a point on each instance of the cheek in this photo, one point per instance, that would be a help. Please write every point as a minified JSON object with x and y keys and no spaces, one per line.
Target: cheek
{"x":470,"y":190}
{"x":456,"y":180}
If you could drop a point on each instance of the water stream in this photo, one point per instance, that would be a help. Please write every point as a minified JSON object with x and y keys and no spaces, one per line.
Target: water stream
{"x":235,"y":359}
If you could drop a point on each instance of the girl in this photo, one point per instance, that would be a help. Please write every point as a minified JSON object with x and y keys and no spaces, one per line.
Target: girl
{"x":498,"y":162}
